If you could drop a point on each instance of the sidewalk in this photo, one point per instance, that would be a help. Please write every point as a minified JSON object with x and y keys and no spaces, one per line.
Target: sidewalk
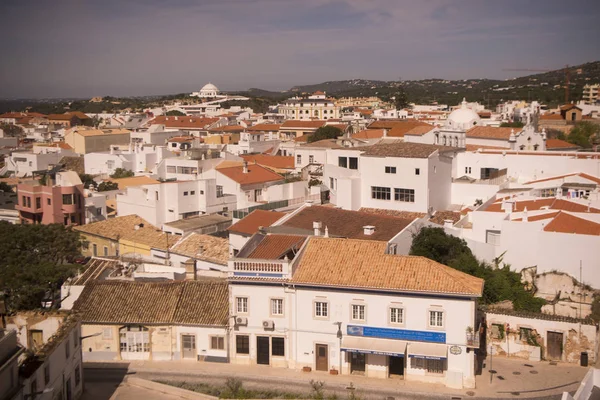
{"x":512,"y":378}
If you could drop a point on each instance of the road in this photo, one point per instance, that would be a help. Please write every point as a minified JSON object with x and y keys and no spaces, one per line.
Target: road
{"x":101,"y":383}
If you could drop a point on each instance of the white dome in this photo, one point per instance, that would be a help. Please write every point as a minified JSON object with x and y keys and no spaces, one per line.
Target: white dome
{"x":209,"y":87}
{"x":463,"y":118}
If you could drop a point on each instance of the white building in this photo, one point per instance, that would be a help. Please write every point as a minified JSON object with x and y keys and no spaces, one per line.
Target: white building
{"x":316,"y":106}
{"x":156,"y":134}
{"x":209,"y":90}
{"x":171,"y":201}
{"x":139,"y":158}
{"x":345,"y":305}
{"x":26,"y":163}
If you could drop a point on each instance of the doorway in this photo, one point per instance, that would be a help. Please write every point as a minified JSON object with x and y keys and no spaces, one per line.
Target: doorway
{"x":555,"y":345}
{"x":262,"y":350}
{"x":188,"y":347}
{"x":321,"y":362}
{"x":395,"y":366}
{"x":357,"y":363}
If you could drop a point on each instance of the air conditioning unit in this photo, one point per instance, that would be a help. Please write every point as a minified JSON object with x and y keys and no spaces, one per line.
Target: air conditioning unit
{"x":268,"y":325}
{"x":241,"y":321}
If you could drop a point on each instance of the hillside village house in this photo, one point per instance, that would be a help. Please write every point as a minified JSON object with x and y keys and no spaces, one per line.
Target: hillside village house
{"x":190,"y":125}
{"x":242,"y":230}
{"x":25,"y":163}
{"x":69,"y":119}
{"x":156,"y":134}
{"x":85,"y":140}
{"x":315,"y":106}
{"x":292,"y":129}
{"x":345,"y":282}
{"x":59,"y":200}
{"x":121,"y":321}
{"x":137,"y":158}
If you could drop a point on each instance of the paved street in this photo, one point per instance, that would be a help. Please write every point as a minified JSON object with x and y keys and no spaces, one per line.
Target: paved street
{"x":513,"y":379}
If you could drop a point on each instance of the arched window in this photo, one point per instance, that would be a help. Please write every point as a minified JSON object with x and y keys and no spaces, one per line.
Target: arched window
{"x":444,"y":140}
{"x":522,"y":147}
{"x":437,"y":138}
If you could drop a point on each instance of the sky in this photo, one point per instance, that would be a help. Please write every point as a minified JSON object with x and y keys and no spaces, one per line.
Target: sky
{"x":85,"y":48}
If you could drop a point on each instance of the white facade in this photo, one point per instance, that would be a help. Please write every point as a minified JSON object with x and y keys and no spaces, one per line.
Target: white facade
{"x":137,"y":158}
{"x":24,"y":164}
{"x":313,"y":107}
{"x":155,"y":134}
{"x":167,"y":202}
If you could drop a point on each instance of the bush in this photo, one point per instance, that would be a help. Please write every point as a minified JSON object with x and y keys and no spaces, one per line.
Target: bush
{"x":122,"y":173}
{"x":324,"y":132}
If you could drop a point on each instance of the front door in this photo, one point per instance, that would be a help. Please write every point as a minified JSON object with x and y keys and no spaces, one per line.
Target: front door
{"x":357,"y":363}
{"x":188,"y":347}
{"x":321,"y":362}
{"x":262,"y":350}
{"x":396,"y":366}
{"x":555,"y":344}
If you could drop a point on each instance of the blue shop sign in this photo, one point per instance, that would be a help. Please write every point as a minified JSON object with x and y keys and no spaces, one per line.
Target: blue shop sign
{"x":399,"y":334}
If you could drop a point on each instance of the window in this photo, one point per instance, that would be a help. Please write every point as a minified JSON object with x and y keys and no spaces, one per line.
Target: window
{"x":405,"y":195}
{"x":493,"y":237}
{"x":193,"y":193}
{"x":524,"y":334}
{"x":242,"y":344}
{"x":105,"y":251}
{"x":156,"y":196}
{"x":343,"y":162}
{"x":219,"y":191}
{"x":353,"y":162}
{"x":436,"y":319}
{"x":358,"y":312}
{"x":396,"y":315}
{"x":77,"y":375}
{"x":497,"y":331}
{"x":298,"y":159}
{"x":46,"y":374}
{"x":24,"y":201}
{"x":381,"y":193}
{"x":75,"y":338}
{"x":390,"y":170}
{"x":98,"y":211}
{"x":548,"y":192}
{"x":134,"y":339}
{"x":217,"y":343}
{"x":38,"y":202}
{"x":417,"y":171}
{"x":241,"y":305}
{"x":278,"y":346}
{"x":72,"y":218}
{"x":431,"y":366}
{"x":276,"y":306}
{"x":311,"y":159}
{"x":467,"y":170}
{"x":202,"y":192}
{"x":95,"y":249}
{"x":331,"y":183}
{"x":67,"y":199}
{"x":186,"y":193}
{"x":434,"y":169}
{"x":107,"y":333}
{"x":29,"y":202}
{"x":67,"y":348}
{"x":171,"y":169}
{"x":321,"y":309}
{"x":49,"y":201}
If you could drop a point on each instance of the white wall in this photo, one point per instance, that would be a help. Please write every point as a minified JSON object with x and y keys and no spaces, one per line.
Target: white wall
{"x":467,"y":193}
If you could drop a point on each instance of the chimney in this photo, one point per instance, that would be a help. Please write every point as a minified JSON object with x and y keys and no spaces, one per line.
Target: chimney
{"x":525,"y":218}
{"x":385,"y":132}
{"x":317,"y":227}
{"x":245,"y":168}
{"x":369,"y":230}
{"x":448,"y":223}
{"x":326,"y":231}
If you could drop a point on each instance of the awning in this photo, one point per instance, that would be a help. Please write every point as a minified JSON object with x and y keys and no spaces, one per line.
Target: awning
{"x":429,"y":351}
{"x":386,"y":347}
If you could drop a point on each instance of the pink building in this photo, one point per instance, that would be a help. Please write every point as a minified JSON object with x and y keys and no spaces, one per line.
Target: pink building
{"x":59,"y":201}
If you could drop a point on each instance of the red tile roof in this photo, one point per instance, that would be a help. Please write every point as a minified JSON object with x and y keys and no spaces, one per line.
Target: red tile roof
{"x":398,"y":128}
{"x":551,"y":116}
{"x":540,"y":217}
{"x":281,"y":162}
{"x":580,"y":174}
{"x":552,"y":204}
{"x":255,"y":174}
{"x":369,"y":134}
{"x":229,"y":128}
{"x":184,"y":122}
{"x":490,"y":132}
{"x":420,"y":130}
{"x":567,"y":223}
{"x":559,"y":144}
{"x":274,"y":247}
{"x":264,"y":128}
{"x":250,"y":224}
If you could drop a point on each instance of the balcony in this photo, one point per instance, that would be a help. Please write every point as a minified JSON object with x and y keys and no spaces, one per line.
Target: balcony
{"x":259,"y":268}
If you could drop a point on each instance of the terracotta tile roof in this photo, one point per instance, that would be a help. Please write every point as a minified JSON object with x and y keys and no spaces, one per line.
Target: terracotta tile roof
{"x":394,"y":148}
{"x":257,"y":218}
{"x":299,"y":124}
{"x":551,"y":117}
{"x":171,"y":303}
{"x":281,"y":162}
{"x":181,"y":139}
{"x":369,"y":134}
{"x":398,"y":128}
{"x":364,"y":264}
{"x":341,"y":127}
{"x":61,"y":145}
{"x":229,"y":163}
{"x":475,"y":147}
{"x":124,"y":183}
{"x":256,"y":174}
{"x":324,"y":144}
{"x":113,"y":228}
{"x":346,"y":223}
{"x":441,"y":216}
{"x":393,"y":213}
{"x":420,"y":130}
{"x":274,"y":247}
{"x":264,"y":128}
{"x":229,"y":128}
{"x":67,"y":116}
{"x":567,"y":107}
{"x":490,"y":132}
{"x":539,"y":217}
{"x":559,"y":144}
{"x":203,"y":247}
{"x":151,"y":237}
{"x":580,"y":174}
{"x":567,"y":223}
{"x":94,"y":269}
{"x":537,"y":204}
{"x":185,"y":122}
{"x":302,"y":139}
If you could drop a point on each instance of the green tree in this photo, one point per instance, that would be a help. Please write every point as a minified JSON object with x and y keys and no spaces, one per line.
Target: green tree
{"x":514,"y":124}
{"x":500,"y":282}
{"x":35,"y":258}
{"x":87,"y":180}
{"x":11,"y":130}
{"x":400,"y":99}
{"x":5,"y":187}
{"x":107,"y":185}
{"x":582,"y":132}
{"x":122,"y":173}
{"x":175,"y":113}
{"x":555,"y":134}
{"x":325,"y":132}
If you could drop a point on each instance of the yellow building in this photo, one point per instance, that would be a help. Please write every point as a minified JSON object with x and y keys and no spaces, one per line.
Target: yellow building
{"x":85,"y":140}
